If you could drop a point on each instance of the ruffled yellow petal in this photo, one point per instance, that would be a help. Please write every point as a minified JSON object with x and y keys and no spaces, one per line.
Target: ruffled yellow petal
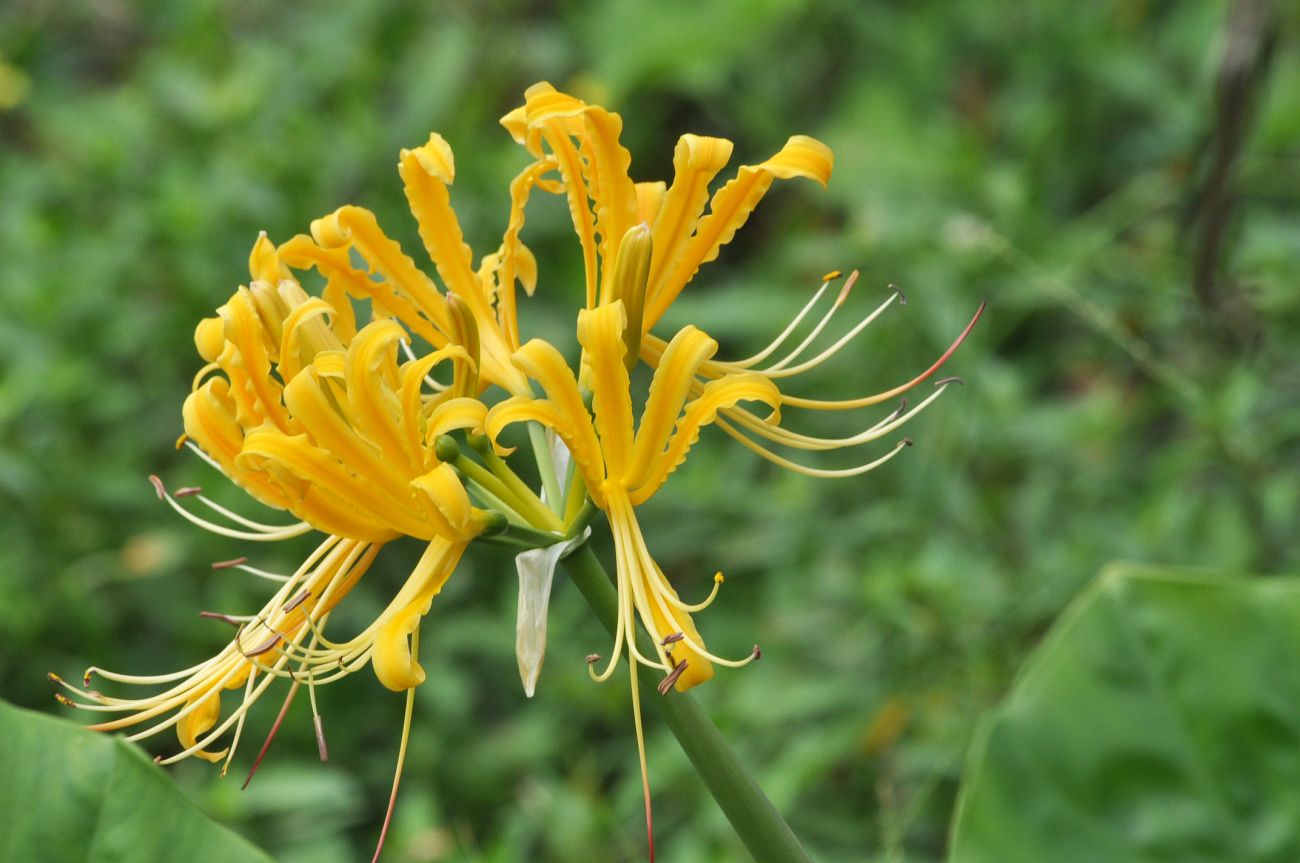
{"x":335,"y":265}
{"x":573,"y":428}
{"x":305,"y":335}
{"x":600,"y":331}
{"x":373,"y":516}
{"x":440,"y":492}
{"x":514,"y":260}
{"x":730,"y":208}
{"x":544,"y":364}
{"x":608,"y":163}
{"x":550,"y":113}
{"x":256,"y":395}
{"x":392,"y":661}
{"x":453,"y":414}
{"x":696,"y":161}
{"x":357,"y":228}
{"x":376,"y":409}
{"x":719,"y":394}
{"x":264,"y":263}
{"x":669,"y":389}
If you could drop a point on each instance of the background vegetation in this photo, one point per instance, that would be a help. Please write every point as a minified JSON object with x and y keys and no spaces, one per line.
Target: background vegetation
{"x":1120,"y":180}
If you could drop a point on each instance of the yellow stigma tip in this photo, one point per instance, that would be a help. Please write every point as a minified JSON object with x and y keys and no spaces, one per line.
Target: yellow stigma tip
{"x":180,"y":441}
{"x":718,"y":577}
{"x":832,"y":276}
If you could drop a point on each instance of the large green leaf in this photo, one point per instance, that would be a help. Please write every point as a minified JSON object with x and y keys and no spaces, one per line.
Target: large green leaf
{"x":1159,"y":721}
{"x":67,"y":794}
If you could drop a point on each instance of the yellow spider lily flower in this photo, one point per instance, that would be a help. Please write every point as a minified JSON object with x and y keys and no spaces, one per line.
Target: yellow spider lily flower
{"x":624,"y":464}
{"x":581,"y":142}
{"x":311,"y":415}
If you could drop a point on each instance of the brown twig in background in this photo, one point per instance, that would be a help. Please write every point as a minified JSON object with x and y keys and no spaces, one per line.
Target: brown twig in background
{"x":1251,"y":34}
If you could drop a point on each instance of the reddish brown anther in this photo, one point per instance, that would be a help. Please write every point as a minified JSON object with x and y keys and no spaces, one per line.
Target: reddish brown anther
{"x":593,"y":657}
{"x":952,"y":379}
{"x":667,"y":683}
{"x":230,"y":564}
{"x":848,"y":286}
{"x":187,"y":491}
{"x":224,"y":618}
{"x":158,"y":487}
{"x":673,"y":638}
{"x":265,"y":647}
{"x":758,"y":653}
{"x":297,"y":601}
{"x":320,"y":739}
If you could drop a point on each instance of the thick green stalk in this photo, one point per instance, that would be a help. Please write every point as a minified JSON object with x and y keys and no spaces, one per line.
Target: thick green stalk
{"x":755,"y":820}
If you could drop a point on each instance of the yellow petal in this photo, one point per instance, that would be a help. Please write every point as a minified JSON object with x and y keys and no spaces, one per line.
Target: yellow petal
{"x":696,"y":161}
{"x":548,"y":112}
{"x":357,"y":228}
{"x":730,"y":208}
{"x":376,"y":408}
{"x":722,"y":393}
{"x":334,"y":263}
{"x":649,"y":198}
{"x":264,"y":264}
{"x":600,"y":331}
{"x":210,"y":338}
{"x":201,"y":719}
{"x":441,"y":492}
{"x":258,"y":399}
{"x":574,"y":429}
{"x":608,"y":163}
{"x":544,"y":364}
{"x":669,"y":389}
{"x":394,"y":665}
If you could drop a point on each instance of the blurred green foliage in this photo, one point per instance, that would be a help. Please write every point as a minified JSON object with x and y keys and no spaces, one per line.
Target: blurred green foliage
{"x":1111,"y":745}
{"x":1050,"y":160}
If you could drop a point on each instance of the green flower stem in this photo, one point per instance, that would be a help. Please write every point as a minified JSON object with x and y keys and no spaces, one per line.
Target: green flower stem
{"x":753,"y":817}
{"x":546,"y":468}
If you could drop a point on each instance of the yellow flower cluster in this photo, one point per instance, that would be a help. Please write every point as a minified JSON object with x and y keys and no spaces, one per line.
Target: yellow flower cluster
{"x":351,"y":425}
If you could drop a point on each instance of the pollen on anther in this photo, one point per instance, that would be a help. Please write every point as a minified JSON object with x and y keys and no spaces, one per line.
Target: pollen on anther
{"x":182,"y":440}
{"x":64,"y":700}
{"x":832,"y":276}
{"x":718,"y":577}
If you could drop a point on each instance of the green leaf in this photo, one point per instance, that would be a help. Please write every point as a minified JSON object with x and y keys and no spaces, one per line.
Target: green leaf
{"x":71,"y":794}
{"x":1158,"y":721}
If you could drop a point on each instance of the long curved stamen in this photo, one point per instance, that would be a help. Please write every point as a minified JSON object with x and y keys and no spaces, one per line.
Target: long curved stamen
{"x":867,"y":401}
{"x":233,"y":516}
{"x":775,"y":372}
{"x":265,"y":533}
{"x":827,"y":473}
{"x":785,"y":437}
{"x":821,"y":325}
{"x":790,"y":327}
